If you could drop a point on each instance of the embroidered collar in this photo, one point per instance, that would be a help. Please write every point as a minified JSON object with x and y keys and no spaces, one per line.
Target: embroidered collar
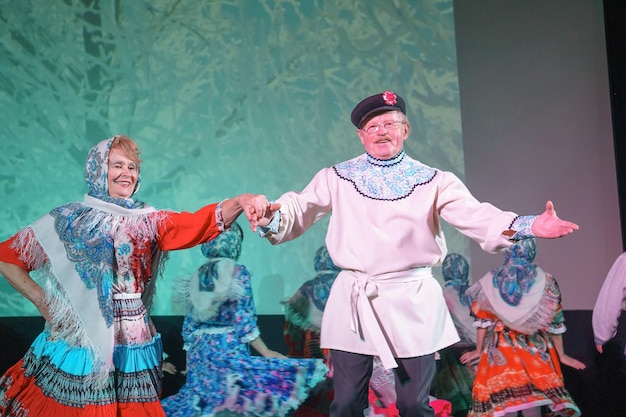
{"x":389,"y":180}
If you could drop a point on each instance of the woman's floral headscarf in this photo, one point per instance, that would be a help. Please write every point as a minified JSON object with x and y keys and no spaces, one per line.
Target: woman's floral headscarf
{"x":226,"y":245}
{"x":323,"y":262}
{"x":317,"y":290}
{"x":96,"y":171}
{"x":517,"y":275}
{"x":304,"y":309}
{"x":455,"y":270}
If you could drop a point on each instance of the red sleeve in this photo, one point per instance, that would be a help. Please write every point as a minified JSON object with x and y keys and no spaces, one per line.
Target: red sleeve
{"x":185,"y":230}
{"x":10,"y":255}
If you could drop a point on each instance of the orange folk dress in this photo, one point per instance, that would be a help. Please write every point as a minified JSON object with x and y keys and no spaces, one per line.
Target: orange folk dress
{"x":519,"y":370}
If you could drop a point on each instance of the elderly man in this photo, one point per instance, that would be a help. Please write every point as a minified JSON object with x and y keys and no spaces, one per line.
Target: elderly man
{"x":385,"y":234}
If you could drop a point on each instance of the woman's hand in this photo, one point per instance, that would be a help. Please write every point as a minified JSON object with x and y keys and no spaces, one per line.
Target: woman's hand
{"x":169,"y":368}
{"x":273,"y":354}
{"x":259,"y":345}
{"x":470,"y":356}
{"x":571,"y":362}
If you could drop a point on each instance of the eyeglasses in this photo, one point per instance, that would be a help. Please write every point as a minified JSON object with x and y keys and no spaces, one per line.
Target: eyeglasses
{"x":390,"y":125}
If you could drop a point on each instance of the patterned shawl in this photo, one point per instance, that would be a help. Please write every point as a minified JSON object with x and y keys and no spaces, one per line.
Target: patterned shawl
{"x":212,"y":284}
{"x":515,"y":291}
{"x":305,"y":307}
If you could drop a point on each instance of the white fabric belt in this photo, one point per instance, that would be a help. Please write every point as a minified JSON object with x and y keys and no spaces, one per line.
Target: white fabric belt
{"x":126,"y":295}
{"x":363,"y":290}
{"x":213,"y":330}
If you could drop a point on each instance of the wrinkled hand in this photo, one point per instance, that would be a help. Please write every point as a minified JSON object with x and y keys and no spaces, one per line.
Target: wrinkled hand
{"x":574,"y":363}
{"x":258,"y":210}
{"x":548,"y":225}
{"x":269,"y":215}
{"x":469,"y":357}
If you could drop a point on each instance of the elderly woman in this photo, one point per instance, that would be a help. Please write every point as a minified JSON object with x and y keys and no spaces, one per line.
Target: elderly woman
{"x":519,"y":372}
{"x":218,"y":329}
{"x":95,"y":264}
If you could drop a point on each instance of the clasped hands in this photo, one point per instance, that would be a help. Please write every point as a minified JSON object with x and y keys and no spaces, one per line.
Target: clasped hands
{"x":257,"y":208}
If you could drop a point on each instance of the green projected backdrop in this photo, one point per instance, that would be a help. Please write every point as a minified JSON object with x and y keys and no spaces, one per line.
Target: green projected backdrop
{"x":223,"y":97}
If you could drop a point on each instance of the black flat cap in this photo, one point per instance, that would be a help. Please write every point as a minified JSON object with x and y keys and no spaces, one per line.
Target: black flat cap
{"x":378,"y":103}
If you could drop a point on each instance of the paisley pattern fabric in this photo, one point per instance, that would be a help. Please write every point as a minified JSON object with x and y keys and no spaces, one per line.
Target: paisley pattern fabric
{"x":323,"y":262}
{"x":455,"y":271}
{"x":303,"y":310}
{"x":222,"y":374}
{"x":516,"y":293}
{"x":227,"y":246}
{"x":517,"y":275}
{"x":389,"y":180}
{"x":88,"y":248}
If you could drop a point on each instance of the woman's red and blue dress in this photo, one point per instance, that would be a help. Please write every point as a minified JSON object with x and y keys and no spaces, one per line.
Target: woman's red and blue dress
{"x":97,"y":262}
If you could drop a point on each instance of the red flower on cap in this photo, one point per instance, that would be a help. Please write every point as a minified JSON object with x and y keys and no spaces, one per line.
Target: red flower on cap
{"x":390,"y":98}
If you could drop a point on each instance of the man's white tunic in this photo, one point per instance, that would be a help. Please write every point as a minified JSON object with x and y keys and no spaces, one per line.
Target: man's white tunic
{"x":385,"y":233}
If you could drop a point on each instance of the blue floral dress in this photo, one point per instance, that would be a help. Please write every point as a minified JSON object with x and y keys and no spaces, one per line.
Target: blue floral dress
{"x":221,"y":372}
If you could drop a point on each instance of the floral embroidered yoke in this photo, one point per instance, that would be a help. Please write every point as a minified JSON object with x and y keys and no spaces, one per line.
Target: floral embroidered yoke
{"x":389,"y":180}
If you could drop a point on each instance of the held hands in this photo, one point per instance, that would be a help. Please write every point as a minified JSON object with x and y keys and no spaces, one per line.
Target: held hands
{"x":258,"y":210}
{"x":548,"y":226}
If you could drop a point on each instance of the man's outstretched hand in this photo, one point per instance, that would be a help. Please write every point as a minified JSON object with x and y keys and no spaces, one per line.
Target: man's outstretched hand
{"x":548,"y":225}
